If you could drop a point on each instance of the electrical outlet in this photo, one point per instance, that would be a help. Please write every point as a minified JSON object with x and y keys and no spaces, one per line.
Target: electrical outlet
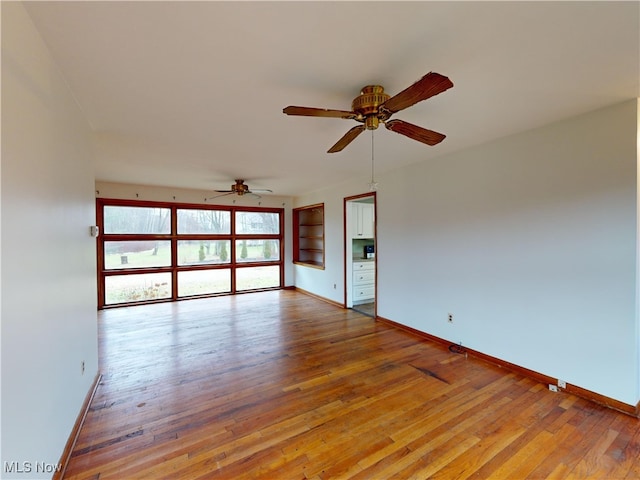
{"x":553,"y":388}
{"x":334,"y":286}
{"x":562,"y":384}
{"x":450,"y":318}
{"x":82,"y":367}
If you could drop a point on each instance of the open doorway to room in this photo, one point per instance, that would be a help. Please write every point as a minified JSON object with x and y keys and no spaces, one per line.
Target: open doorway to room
{"x":360,"y":253}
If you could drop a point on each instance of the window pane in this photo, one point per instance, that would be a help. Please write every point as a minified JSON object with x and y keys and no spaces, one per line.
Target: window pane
{"x":201,"y":282}
{"x":197,"y":252}
{"x":136,"y":219}
{"x":257,"y":251}
{"x":257,"y":277}
{"x":137,"y":254}
{"x":204,"y":221}
{"x":257,"y":222}
{"x":137,"y":288}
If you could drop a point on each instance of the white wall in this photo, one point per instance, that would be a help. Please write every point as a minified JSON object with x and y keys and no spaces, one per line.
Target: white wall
{"x":192,"y":196}
{"x":49,"y":321}
{"x":529,"y":241}
{"x":637,"y":332}
{"x":321,"y":281}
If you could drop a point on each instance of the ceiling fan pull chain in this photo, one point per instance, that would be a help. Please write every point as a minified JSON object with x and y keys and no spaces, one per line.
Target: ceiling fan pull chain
{"x":373,"y":185}
{"x":372,"y":161}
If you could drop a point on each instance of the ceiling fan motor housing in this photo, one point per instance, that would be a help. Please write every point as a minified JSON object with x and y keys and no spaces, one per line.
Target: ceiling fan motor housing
{"x":239,"y":187}
{"x":366,"y":104}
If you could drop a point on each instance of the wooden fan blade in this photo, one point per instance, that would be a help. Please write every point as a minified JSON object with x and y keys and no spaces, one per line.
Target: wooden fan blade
{"x":416,"y":133}
{"x":347,"y":138}
{"x":225,"y":192}
{"x":318,"y":112}
{"x":428,"y":86}
{"x":261,"y":190}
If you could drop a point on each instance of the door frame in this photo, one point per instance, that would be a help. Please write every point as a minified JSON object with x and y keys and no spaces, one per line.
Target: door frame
{"x":348,"y":250}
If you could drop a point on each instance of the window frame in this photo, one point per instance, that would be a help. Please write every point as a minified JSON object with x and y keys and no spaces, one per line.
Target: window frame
{"x":174,"y":237}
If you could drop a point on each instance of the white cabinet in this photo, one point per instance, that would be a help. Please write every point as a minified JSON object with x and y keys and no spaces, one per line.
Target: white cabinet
{"x":362,"y":220}
{"x":364,"y":282}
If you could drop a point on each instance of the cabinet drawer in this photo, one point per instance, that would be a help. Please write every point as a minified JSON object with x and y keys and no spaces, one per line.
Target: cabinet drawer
{"x":366,"y":276}
{"x":363,"y":293}
{"x":358,"y":266}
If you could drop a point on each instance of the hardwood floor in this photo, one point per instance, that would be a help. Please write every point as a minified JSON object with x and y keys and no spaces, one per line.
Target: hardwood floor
{"x":280,"y":385}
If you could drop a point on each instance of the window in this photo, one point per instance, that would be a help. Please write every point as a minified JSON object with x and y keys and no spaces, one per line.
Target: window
{"x":136,"y":220}
{"x":137,"y":254}
{"x":201,"y":252}
{"x":203,"y":221}
{"x":203,"y":282}
{"x":137,"y":287}
{"x":257,"y":223}
{"x":153,"y":251}
{"x":257,"y":251}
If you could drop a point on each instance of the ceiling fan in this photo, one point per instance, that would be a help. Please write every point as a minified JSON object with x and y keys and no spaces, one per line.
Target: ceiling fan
{"x":373,"y":106}
{"x":240,"y":188}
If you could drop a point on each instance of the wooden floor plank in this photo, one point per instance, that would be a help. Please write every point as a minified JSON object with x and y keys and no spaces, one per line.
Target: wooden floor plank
{"x":280,"y":385}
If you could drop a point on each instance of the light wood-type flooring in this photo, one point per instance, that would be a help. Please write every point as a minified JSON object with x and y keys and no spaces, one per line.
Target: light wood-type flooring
{"x":280,"y":385}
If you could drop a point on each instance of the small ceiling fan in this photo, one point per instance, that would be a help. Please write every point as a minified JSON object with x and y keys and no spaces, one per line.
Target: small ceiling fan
{"x":240,"y":188}
{"x":373,"y":106}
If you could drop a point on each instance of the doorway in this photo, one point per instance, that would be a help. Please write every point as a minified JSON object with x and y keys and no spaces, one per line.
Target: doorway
{"x":360,"y":253}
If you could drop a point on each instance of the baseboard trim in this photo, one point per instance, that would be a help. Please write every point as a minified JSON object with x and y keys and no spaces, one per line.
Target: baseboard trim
{"x":324,"y":299}
{"x":537,"y":376}
{"x":75,"y":432}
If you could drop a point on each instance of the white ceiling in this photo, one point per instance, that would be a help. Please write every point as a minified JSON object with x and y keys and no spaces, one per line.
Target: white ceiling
{"x":190,"y":94}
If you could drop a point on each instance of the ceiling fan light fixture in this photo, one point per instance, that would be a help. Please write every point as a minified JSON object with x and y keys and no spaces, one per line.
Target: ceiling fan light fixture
{"x":371,"y":123}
